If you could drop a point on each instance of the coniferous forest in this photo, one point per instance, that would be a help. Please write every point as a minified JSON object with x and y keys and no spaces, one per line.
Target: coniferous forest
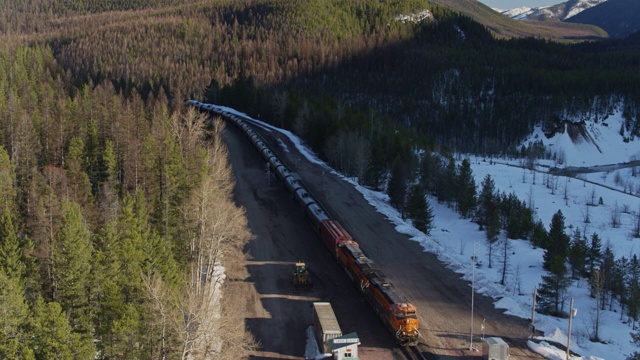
{"x":116,"y":199}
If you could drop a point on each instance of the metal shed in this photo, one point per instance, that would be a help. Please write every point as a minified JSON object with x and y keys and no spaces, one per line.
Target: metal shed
{"x":494,"y":348}
{"x":325,"y":324}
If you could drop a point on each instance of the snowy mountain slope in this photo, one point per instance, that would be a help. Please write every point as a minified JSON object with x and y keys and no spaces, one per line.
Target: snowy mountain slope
{"x":589,"y":143}
{"x":560,"y":11}
{"x":619,"y":18}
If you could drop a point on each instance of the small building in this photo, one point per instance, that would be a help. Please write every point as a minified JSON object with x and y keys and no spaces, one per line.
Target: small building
{"x":345,"y":347}
{"x":494,"y":348}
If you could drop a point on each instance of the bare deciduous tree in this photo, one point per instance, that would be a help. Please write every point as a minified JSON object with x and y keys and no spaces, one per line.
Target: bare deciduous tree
{"x":615,"y":216}
{"x":218,"y":235}
{"x":506,"y":249}
{"x":597,"y":283}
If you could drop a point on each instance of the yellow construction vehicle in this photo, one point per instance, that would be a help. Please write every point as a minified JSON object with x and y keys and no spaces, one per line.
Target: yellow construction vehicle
{"x":301,"y":280}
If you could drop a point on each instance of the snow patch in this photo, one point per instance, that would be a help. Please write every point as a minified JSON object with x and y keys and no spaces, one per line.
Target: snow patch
{"x":414,"y":17}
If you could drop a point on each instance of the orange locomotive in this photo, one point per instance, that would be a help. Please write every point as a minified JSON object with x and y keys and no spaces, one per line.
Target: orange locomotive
{"x":395,"y":311}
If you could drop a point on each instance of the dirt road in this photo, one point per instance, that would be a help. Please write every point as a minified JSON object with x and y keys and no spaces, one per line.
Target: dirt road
{"x":278,"y":317}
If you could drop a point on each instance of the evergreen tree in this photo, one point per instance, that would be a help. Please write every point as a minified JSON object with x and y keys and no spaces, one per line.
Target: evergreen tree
{"x":11,"y":254}
{"x":557,"y":243}
{"x":552,"y":290}
{"x":7,"y":181}
{"x":13,"y":315}
{"x":446,"y":183}
{"x":608,"y":263}
{"x":519,"y":220}
{"x":594,"y":254}
{"x":578,"y":254}
{"x":77,"y":179}
{"x":620,"y":289}
{"x":632,"y":283}
{"x":72,"y":264}
{"x":53,"y":337}
{"x":110,"y":164}
{"x":486,"y":201}
{"x":419,"y":210}
{"x":376,"y":168}
{"x":539,"y":237}
{"x":397,"y":186}
{"x":466,"y":189}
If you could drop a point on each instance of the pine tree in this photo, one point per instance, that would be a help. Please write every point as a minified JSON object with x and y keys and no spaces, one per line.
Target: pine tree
{"x":608,"y":263}
{"x":11,"y":254}
{"x":8,"y":191}
{"x":620,"y":289}
{"x":446,"y":188}
{"x":376,"y":168}
{"x":419,"y":210}
{"x":557,"y":243}
{"x":594,"y":253}
{"x":466,"y":189}
{"x":110,"y":164}
{"x":77,"y":179}
{"x":578,"y":254}
{"x":53,"y":337}
{"x":539,"y":237}
{"x":397,"y":186}
{"x":552,"y":290}
{"x":72,"y":263}
{"x":13,"y":315}
{"x":486,"y":201}
{"x":633,"y":287}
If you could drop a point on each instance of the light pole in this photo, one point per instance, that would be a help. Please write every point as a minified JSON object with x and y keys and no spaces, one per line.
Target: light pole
{"x":473,"y":283}
{"x":572,"y":312}
{"x":532,"y":327}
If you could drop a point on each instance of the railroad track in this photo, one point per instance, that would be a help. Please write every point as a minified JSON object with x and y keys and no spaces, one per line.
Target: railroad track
{"x":417,"y":352}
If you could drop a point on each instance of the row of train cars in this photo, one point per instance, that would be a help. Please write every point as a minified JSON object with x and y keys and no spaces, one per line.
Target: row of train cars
{"x":395,"y":311}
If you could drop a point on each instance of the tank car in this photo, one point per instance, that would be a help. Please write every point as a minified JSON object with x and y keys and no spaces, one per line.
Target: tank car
{"x":316,"y":216}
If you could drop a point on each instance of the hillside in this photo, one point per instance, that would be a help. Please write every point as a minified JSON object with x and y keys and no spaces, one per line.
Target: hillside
{"x":619,"y":18}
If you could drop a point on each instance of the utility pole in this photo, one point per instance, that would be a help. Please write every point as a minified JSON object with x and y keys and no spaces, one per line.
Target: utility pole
{"x":532,"y":327}
{"x":572,"y":312}
{"x":473,"y":283}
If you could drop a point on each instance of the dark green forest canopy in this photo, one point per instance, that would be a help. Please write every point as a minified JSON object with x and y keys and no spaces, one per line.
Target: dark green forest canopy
{"x":446,"y":77}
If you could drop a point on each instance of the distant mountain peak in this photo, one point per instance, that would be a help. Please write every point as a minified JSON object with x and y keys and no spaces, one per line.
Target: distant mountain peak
{"x":560,"y":11}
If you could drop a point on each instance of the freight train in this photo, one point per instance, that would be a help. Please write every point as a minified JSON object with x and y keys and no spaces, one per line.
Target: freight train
{"x":395,"y":311}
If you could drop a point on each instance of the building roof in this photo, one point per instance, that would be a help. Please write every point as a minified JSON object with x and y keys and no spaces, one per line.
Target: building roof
{"x":344,"y":341}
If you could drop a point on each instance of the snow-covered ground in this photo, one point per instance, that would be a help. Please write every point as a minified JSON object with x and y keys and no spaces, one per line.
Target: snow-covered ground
{"x":454,"y":240}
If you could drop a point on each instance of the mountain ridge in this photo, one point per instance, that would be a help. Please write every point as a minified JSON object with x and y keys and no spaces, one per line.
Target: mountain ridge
{"x":619,"y":18}
{"x":560,"y":11}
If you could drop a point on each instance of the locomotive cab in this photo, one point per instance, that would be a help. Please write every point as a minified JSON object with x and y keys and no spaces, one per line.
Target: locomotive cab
{"x":405,"y":321}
